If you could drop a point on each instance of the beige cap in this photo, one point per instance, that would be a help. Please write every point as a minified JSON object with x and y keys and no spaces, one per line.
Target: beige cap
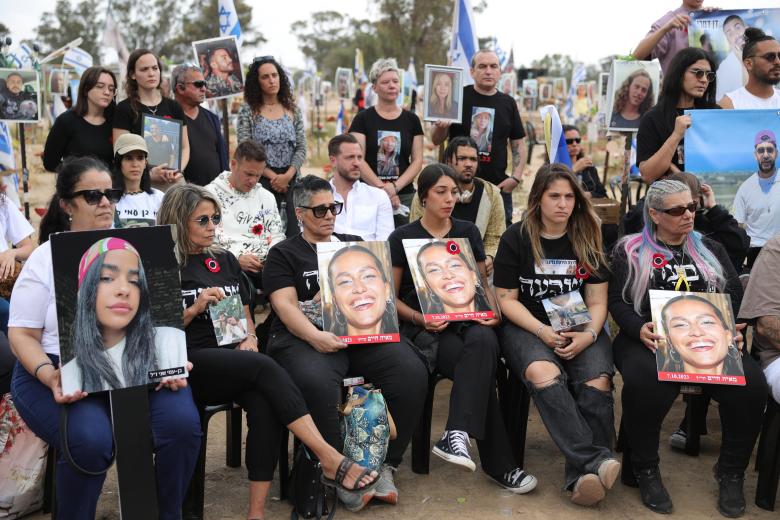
{"x":129,"y":142}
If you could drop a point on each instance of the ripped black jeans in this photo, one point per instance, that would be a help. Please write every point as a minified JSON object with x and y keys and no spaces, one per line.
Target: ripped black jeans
{"x":579,"y":418}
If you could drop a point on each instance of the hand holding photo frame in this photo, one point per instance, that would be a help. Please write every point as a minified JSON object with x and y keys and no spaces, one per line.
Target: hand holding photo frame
{"x":566,"y":311}
{"x":358,"y":296}
{"x":443,"y":93}
{"x":229,"y":320}
{"x":126,"y":327}
{"x":163,"y":139}
{"x":447,"y":280}
{"x":699,"y":344}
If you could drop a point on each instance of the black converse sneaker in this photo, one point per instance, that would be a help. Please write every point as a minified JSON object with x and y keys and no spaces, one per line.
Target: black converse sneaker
{"x":453,"y":447}
{"x":517,"y":481}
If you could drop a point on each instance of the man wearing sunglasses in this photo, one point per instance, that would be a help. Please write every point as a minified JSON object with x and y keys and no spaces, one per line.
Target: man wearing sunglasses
{"x":757,"y":204}
{"x":208,"y":152}
{"x":761,"y":57}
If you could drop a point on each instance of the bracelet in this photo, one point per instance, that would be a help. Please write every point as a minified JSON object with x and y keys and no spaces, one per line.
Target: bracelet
{"x":40,"y":366}
{"x":253,"y":336}
{"x":592,"y":333}
{"x":540,"y":330}
{"x":518,"y":181}
{"x":394,"y":187}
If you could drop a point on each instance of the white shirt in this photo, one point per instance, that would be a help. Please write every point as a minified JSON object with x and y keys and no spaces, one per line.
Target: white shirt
{"x":744,"y":100}
{"x":758,"y":211}
{"x":32,"y":300}
{"x":138,"y":209}
{"x":250,"y":221}
{"x":730,"y":76}
{"x":170,"y":352}
{"x":14,"y":226}
{"x":367,"y":212}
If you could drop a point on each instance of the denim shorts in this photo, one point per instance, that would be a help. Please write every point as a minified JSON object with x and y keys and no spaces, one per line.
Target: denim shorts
{"x":521,"y":348}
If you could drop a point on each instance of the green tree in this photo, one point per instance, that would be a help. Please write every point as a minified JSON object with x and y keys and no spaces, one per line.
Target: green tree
{"x":68,"y":22}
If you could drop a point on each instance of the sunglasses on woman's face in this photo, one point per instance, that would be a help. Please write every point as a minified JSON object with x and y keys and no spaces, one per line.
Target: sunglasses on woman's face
{"x":203,"y":220}
{"x":321,"y":211}
{"x":94,"y":197}
{"x":700,"y":73}
{"x":678,"y":211}
{"x":573,"y":140}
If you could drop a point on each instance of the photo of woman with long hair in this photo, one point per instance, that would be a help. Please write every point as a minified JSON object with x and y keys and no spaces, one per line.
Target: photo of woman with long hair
{"x":634,"y":97}
{"x":699,"y":340}
{"x":482,"y":129}
{"x":362,"y":293}
{"x":451,"y":281}
{"x":387,"y":155}
{"x":114,"y":342}
{"x":440,"y":100}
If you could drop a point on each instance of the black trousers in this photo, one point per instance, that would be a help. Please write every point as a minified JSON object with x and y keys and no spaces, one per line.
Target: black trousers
{"x":752,"y":254}
{"x":261,"y":387}
{"x":392,"y":367}
{"x":292,"y":221}
{"x":646,"y":401}
{"x":468,"y":355}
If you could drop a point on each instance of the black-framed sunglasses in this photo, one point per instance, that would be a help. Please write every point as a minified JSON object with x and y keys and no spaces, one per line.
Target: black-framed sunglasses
{"x":93,"y":197}
{"x":573,"y":140}
{"x":678,"y":211}
{"x":203,"y":220}
{"x":198,"y":84}
{"x":259,"y":60}
{"x":321,"y":211}
{"x":769,"y":56}
{"x":700,"y":73}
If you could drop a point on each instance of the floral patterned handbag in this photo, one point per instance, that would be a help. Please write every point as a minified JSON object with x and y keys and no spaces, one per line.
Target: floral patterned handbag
{"x":367,"y":426}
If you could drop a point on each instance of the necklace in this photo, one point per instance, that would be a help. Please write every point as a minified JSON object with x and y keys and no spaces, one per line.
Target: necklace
{"x":438,"y":235}
{"x":551,"y":237}
{"x":153,"y":110}
{"x":308,"y":243}
{"x":134,"y":192}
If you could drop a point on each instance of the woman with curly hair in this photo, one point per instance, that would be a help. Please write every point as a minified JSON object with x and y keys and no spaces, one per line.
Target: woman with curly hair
{"x":633,"y":99}
{"x":270,"y":117}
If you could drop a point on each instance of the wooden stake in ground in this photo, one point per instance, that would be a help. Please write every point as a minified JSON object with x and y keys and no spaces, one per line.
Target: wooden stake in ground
{"x":624,"y":191}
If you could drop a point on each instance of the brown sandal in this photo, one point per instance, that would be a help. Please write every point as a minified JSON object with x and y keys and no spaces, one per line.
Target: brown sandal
{"x":341,"y":473}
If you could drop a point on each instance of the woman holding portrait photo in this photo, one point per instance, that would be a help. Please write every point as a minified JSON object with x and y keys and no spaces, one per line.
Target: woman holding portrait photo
{"x":669,"y":255}
{"x":466,"y":352}
{"x":556,"y":249}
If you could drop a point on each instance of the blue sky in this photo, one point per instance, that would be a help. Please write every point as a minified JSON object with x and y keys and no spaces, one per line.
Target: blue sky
{"x":722,"y":140}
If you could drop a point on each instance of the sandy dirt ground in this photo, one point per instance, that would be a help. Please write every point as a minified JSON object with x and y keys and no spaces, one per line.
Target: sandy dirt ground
{"x":450,"y":492}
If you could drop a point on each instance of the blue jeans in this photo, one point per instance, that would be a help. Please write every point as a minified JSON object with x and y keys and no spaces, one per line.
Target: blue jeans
{"x":176,"y":436}
{"x":507,"y":207}
{"x":581,"y":421}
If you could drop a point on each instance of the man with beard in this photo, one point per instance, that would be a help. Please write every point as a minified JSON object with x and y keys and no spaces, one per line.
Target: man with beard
{"x":479,"y":202}
{"x":366,"y":210}
{"x":731,"y":73}
{"x":221,"y":81}
{"x":761,"y":56}
{"x":13,"y":97}
{"x":757,"y":204}
{"x":208,"y":152}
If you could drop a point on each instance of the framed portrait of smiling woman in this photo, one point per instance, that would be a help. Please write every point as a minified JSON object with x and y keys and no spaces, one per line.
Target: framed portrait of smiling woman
{"x":443,"y":93}
{"x":447,"y":280}
{"x":699,"y":344}
{"x":118,"y":308}
{"x":358,"y":296}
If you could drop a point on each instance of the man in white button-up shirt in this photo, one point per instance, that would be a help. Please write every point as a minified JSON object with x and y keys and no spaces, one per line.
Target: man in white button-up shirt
{"x":367,"y":210}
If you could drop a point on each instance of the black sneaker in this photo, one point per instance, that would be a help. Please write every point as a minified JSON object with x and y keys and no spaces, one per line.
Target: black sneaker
{"x":731,"y":499}
{"x":454,"y":447}
{"x":517,"y":481}
{"x":652,"y":490}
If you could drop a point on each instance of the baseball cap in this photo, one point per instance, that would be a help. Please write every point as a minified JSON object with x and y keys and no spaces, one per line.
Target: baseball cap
{"x":129,"y":142}
{"x":765,"y":136}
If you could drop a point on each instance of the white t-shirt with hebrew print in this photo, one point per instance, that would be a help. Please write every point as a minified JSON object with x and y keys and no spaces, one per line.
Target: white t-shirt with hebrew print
{"x":138,"y":209}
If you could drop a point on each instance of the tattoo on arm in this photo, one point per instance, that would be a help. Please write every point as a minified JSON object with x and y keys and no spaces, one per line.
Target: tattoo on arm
{"x":515,"y":145}
{"x":768,"y":327}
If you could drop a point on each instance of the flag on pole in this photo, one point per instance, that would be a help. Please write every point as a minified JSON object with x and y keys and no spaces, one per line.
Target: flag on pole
{"x":360,"y":68}
{"x":340,"y":120}
{"x":502,"y":57}
{"x":577,"y":77}
{"x":411,"y":74}
{"x":553,"y":136}
{"x":464,"y":42}
{"x":78,"y":58}
{"x":510,"y":63}
{"x":228,"y":21}
{"x":113,"y":38}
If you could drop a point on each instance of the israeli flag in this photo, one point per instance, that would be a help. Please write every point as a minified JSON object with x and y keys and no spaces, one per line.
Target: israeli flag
{"x":340,"y":120}
{"x":464,"y":38}
{"x":78,"y":58}
{"x":7,"y":161}
{"x":553,"y":136}
{"x":502,"y":57}
{"x":577,"y":77}
{"x":228,"y":21}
